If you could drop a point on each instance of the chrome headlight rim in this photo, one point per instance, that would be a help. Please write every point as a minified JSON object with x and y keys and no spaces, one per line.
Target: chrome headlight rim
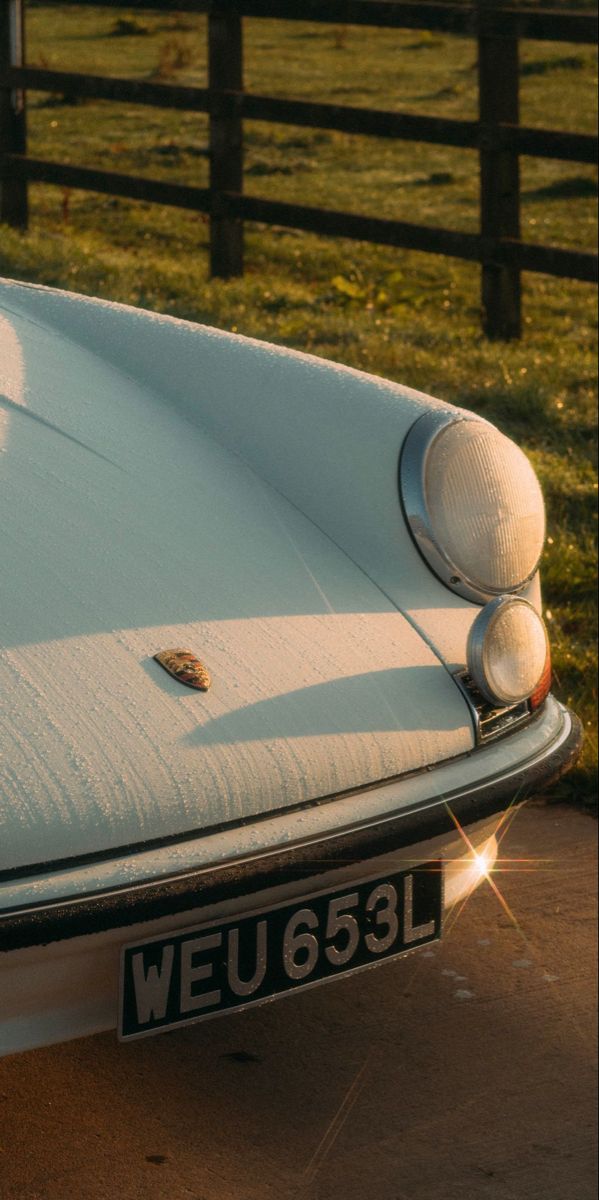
{"x":412,"y":490}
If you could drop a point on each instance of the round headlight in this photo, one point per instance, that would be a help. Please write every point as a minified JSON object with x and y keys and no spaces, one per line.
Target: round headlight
{"x":508,"y":650}
{"x":473,"y":504}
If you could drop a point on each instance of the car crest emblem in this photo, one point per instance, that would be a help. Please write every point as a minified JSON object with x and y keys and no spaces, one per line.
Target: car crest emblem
{"x":186,"y":667}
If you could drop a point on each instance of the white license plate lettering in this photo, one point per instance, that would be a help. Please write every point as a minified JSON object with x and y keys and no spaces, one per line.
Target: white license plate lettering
{"x":382,"y":904}
{"x":200,"y":972}
{"x":196,"y":968}
{"x":411,"y":932}
{"x":246,"y":987}
{"x":152,"y":985}
{"x":300,"y":948}
{"x":342,"y":930}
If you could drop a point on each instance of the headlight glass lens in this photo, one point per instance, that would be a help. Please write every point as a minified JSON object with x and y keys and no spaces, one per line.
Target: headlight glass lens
{"x":508,"y":650}
{"x":485,"y":506}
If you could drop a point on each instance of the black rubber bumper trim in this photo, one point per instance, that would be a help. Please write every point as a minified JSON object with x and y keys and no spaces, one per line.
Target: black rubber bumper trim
{"x":34,"y":926}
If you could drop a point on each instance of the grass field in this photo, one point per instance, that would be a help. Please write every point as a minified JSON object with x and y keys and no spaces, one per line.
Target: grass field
{"x":408,"y":316}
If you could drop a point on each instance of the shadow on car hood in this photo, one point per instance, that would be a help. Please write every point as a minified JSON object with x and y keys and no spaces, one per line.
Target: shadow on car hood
{"x":126,"y":529}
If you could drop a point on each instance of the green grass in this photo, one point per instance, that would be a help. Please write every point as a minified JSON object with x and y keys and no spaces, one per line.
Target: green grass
{"x":407,"y":316}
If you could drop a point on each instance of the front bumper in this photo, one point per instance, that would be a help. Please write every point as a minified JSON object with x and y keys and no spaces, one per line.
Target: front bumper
{"x":60,"y":965}
{"x":76,"y":899}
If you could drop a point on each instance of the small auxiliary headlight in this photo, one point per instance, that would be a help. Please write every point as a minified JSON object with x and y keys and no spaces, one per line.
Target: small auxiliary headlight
{"x":508,"y":650}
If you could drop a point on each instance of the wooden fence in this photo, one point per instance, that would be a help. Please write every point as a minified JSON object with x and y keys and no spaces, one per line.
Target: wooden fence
{"x":497,"y":134}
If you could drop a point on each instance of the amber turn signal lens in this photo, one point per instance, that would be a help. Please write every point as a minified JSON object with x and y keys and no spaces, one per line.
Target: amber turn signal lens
{"x":543,"y":687}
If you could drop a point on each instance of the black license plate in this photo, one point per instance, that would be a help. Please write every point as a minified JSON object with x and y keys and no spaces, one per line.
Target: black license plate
{"x":197,"y":973}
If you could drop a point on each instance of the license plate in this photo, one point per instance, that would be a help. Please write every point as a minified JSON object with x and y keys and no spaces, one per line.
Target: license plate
{"x":197,"y":973}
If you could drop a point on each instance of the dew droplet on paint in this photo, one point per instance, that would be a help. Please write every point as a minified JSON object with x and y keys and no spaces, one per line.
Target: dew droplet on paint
{"x":550,"y":978}
{"x":463,"y":994}
{"x":450,"y":974}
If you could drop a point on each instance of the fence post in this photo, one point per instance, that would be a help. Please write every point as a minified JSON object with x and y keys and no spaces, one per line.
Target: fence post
{"x":225,"y":73}
{"x":498,"y":83}
{"x":13,"y":135}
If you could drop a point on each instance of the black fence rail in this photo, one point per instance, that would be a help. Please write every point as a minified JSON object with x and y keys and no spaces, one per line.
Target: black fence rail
{"x":497,"y":135}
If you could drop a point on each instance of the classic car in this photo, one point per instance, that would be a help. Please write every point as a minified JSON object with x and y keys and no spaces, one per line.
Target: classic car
{"x":273,"y":667}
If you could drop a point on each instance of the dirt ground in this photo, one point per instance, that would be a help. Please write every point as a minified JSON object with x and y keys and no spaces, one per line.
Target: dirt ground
{"x":463,"y":1072}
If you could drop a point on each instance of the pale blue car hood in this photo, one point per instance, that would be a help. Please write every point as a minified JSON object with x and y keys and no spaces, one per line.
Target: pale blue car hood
{"x":144,"y":506}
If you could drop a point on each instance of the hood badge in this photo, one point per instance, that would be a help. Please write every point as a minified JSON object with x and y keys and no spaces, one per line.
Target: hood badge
{"x":185,"y":667}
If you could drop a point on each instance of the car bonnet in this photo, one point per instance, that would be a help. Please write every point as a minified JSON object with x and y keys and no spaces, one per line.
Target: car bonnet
{"x":127,"y":528}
